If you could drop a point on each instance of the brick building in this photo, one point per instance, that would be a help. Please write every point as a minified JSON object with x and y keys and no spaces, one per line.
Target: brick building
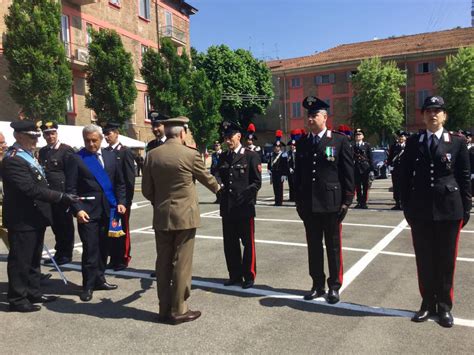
{"x":327,"y":75}
{"x":140,"y":23}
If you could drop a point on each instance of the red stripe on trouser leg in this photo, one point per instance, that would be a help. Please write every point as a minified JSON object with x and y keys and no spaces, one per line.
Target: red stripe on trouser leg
{"x":253,"y":269}
{"x":451,"y":292}
{"x":126,"y":222}
{"x":341,"y":267}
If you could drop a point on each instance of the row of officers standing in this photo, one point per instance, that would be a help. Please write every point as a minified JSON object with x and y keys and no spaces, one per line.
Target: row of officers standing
{"x":435,"y":194}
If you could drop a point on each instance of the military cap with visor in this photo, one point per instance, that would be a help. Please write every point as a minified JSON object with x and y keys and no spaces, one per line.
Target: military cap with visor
{"x":229,"y":128}
{"x":157,"y":118}
{"x":433,"y":102}
{"x":110,"y":126}
{"x":314,"y":104}
{"x":26,"y":127}
{"x":49,"y":127}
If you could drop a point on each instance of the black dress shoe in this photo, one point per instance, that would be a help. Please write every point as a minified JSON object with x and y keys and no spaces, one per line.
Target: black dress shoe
{"x":45,"y":277}
{"x":231,"y":282}
{"x":120,"y":267}
{"x":110,"y":266}
{"x":60,"y":260}
{"x":189,"y":316}
{"x":86,"y":295}
{"x":357,"y":206}
{"x":105,"y":287}
{"x":424,"y":314}
{"x":248,"y":284}
{"x":333,"y":296}
{"x":43,"y":299}
{"x":24,"y":308}
{"x":162,"y":318}
{"x":314,"y":293}
{"x":364,"y":207}
{"x":445,"y":319}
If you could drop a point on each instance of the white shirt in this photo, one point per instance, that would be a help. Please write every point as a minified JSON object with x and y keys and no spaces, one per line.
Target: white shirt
{"x":100,"y":158}
{"x":115,"y":145}
{"x":237,"y":150}
{"x":438,"y":134}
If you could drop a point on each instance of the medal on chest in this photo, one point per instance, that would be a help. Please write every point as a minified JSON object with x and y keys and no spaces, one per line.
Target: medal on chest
{"x":330,"y":153}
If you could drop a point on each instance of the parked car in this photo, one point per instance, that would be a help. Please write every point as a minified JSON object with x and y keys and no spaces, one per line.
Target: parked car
{"x":379,"y":160}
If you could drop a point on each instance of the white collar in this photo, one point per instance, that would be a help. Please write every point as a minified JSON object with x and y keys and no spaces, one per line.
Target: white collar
{"x":438,"y":133}
{"x":56,"y":146}
{"x":237,"y":150}
{"x":163,"y":139}
{"x":320,"y":134}
{"x":115,"y":145}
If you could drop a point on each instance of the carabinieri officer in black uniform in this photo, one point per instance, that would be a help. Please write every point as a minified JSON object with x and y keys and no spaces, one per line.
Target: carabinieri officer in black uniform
{"x":240,"y":174}
{"x":52,"y":158}
{"x":363,"y":168}
{"x":158,"y":130}
{"x":26,"y":214}
{"x":436,"y":200}
{"x":278,"y":168}
{"x":394,"y":159}
{"x":324,"y":177}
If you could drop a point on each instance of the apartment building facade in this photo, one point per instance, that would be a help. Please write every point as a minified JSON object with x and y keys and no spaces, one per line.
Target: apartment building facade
{"x":327,"y":75}
{"x":140,"y":23}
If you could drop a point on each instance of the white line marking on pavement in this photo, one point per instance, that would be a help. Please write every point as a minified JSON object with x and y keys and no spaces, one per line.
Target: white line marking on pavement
{"x":389,"y":312}
{"x":205,"y":214}
{"x":261,"y":241}
{"x":359,"y":266}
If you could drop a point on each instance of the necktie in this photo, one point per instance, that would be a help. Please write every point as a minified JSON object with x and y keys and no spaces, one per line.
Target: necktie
{"x":316,"y":140}
{"x":433,"y":145}
{"x":99,"y":158}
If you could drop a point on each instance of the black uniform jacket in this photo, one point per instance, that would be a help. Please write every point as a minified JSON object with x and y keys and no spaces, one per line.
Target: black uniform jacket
{"x":54,"y":163}
{"x":279,"y":166}
{"x":362,"y":158}
{"x":81,"y":182}
{"x":240,"y":178}
{"x":153,"y":144}
{"x":435,"y":188}
{"x":395,"y":154}
{"x":26,"y":204}
{"x":127,"y":162}
{"x":324,"y":175}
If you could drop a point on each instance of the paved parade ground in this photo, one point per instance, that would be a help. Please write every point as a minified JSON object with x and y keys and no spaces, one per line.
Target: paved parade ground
{"x":378,"y":297}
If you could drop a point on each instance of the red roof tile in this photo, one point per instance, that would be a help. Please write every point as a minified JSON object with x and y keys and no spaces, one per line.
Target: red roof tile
{"x":394,"y":46}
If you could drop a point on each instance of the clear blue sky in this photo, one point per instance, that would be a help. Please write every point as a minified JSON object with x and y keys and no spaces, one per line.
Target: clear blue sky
{"x":294,"y":28}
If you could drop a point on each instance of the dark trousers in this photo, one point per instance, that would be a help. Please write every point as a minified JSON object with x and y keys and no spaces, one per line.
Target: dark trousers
{"x":236,"y":230}
{"x":119,"y":248}
{"x":174,"y":261}
{"x":63,"y":229}
{"x":362,"y":187}
{"x":319,"y":225}
{"x":94,"y":255}
{"x":277,"y":188}
{"x":24,"y":270}
{"x":291,"y":186}
{"x":436,"y":248}
{"x":396,"y":186}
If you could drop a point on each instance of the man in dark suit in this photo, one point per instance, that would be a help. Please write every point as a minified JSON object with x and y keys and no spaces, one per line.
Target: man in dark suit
{"x":394,"y":159}
{"x":158,"y":129}
{"x":240,"y":174}
{"x":26,"y":214}
{"x":324,"y":178}
{"x":53,"y":158}
{"x":96,"y":176}
{"x":278,"y":168}
{"x":119,"y":248}
{"x":363,"y":168}
{"x":436,"y":200}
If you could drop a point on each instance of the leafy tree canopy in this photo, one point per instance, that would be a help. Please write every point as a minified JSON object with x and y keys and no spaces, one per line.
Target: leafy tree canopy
{"x":110,"y":77}
{"x":377,"y":104}
{"x":456,"y":86}
{"x":40,"y":75}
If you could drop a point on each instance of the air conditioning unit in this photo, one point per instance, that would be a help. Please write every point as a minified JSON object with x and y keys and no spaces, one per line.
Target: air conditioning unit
{"x":82,"y":55}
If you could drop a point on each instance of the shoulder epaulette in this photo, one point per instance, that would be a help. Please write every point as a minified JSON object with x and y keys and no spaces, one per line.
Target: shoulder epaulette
{"x":340,"y":133}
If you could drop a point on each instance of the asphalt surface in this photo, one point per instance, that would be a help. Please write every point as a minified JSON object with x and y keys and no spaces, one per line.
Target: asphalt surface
{"x":379,"y":295}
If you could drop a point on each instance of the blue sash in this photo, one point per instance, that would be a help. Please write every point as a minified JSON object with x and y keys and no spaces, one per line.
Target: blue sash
{"x":94,"y":166}
{"x":28,"y":158}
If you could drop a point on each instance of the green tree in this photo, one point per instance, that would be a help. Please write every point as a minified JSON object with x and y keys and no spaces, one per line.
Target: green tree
{"x":377,"y":104}
{"x":110,"y":77}
{"x":246,"y":82}
{"x":177,"y":88}
{"x":456,"y":86}
{"x":40,"y":75}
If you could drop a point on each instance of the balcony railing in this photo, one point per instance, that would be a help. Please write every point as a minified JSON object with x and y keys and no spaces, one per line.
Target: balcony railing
{"x":78,"y":55}
{"x":176,"y":35}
